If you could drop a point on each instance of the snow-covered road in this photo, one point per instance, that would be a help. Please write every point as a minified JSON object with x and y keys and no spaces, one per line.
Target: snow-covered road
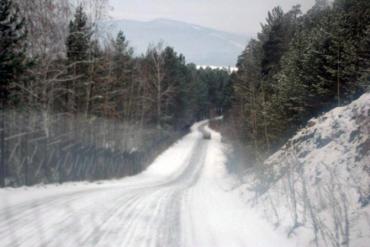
{"x":182,"y":199}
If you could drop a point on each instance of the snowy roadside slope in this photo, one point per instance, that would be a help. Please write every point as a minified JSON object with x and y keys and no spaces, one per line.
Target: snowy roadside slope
{"x":317,"y":187}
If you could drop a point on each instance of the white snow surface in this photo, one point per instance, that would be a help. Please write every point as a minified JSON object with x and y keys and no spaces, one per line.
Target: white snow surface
{"x":316,"y":189}
{"x":183,"y":199}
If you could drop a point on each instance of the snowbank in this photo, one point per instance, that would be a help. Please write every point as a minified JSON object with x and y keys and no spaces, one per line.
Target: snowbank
{"x":317,"y":187}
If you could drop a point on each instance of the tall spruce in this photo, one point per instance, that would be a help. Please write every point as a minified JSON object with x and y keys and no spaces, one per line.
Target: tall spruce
{"x":79,"y":55}
{"x":12,"y":65}
{"x":12,"y":47}
{"x":123,"y":86}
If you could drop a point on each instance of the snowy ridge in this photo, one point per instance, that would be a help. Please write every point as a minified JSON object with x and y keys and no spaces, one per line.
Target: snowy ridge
{"x":316,"y":189}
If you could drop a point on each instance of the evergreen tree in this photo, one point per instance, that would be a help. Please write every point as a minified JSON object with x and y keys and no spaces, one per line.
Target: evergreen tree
{"x":122,"y":87}
{"x":78,"y":41}
{"x":12,"y":47}
{"x":79,"y":55}
{"x":12,"y":65}
{"x":306,"y":65}
{"x":175,"y":80}
{"x":121,"y":57}
{"x":198,"y":92}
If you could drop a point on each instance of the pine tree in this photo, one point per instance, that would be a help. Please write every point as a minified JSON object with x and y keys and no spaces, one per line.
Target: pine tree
{"x":78,"y":41}
{"x":78,"y":54}
{"x":337,"y":53}
{"x":174,"y":81}
{"x":12,"y":47}
{"x":122,"y":71}
{"x":292,"y":103}
{"x":12,"y":64}
{"x":198,"y":101}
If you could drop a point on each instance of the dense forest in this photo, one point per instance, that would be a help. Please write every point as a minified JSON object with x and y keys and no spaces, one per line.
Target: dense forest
{"x":77,"y":106}
{"x":299,"y":66}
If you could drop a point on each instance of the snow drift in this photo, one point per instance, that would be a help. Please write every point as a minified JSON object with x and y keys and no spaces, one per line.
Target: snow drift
{"x":317,"y":187}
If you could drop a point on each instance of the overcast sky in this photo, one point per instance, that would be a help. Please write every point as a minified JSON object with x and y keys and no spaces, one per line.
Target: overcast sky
{"x":240,"y":16}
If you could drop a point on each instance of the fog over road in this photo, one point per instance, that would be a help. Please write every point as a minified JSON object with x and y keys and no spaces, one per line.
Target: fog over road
{"x":183,"y":199}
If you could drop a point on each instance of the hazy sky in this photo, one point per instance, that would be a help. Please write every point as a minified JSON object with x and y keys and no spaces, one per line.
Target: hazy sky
{"x":240,"y":16}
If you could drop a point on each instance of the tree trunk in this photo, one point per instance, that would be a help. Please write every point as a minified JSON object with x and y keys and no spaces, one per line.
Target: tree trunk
{"x":265,"y":120}
{"x":2,"y":145}
{"x":25,"y":149}
{"x":159,"y":92}
{"x":338,"y":78}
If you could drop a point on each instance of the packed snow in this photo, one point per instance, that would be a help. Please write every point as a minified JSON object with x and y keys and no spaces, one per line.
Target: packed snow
{"x":316,"y":189}
{"x":183,"y":199}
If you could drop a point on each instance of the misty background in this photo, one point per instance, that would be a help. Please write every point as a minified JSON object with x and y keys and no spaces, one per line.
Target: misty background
{"x":207,"y":32}
{"x":237,"y":16}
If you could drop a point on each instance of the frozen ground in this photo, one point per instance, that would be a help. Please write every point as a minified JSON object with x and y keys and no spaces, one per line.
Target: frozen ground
{"x":182,"y":199}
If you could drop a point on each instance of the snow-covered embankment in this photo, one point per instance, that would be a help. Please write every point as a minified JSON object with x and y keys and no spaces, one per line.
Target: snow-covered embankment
{"x":316,"y":189}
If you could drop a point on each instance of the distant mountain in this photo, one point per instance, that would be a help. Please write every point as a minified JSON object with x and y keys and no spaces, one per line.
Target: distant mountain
{"x":200,"y":45}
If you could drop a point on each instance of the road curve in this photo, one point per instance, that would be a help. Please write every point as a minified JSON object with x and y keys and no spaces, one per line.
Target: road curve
{"x":189,"y":206}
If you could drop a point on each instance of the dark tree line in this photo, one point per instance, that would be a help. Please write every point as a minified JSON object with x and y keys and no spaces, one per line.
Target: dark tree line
{"x":299,"y":66}
{"x":75,"y":106}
